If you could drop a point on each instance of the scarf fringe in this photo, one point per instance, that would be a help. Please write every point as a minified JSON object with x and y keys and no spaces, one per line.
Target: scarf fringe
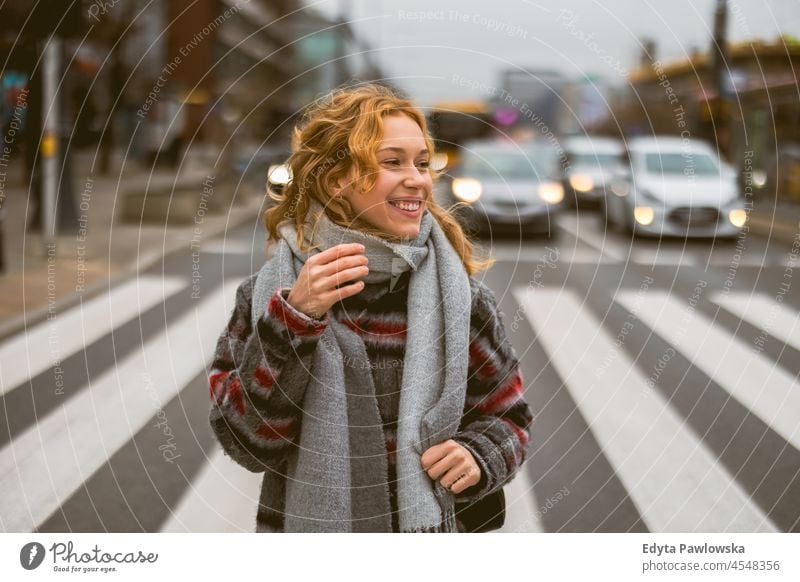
{"x":434,"y":529}
{"x":448,"y":524}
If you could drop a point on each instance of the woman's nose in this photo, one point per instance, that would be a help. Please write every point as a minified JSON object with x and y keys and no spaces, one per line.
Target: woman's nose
{"x":415,"y":177}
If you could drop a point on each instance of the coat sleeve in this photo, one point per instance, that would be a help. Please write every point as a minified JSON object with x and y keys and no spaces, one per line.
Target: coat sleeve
{"x":258,"y":379}
{"x":496,"y":424}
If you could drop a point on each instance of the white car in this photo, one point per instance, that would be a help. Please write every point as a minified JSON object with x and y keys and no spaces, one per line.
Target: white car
{"x":590,"y":166}
{"x":675,"y":187}
{"x":505,"y":187}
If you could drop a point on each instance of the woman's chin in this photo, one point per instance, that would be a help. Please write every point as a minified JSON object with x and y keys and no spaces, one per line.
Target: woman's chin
{"x":406,"y":233}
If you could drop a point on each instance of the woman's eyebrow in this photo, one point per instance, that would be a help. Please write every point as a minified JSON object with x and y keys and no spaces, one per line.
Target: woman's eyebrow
{"x":422,"y":151}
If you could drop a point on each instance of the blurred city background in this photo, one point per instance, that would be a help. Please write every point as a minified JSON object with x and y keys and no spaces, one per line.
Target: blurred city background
{"x":635,"y":170}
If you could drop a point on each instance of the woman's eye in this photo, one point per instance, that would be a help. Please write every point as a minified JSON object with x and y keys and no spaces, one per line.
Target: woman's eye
{"x":425,"y":164}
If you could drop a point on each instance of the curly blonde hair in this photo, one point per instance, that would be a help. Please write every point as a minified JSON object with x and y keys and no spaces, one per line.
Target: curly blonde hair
{"x":335,"y":133}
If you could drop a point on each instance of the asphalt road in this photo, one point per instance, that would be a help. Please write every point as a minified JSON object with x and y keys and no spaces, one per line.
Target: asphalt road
{"x":663,"y":377}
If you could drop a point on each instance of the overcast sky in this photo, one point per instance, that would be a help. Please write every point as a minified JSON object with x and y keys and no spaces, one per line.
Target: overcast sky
{"x":439,"y":50}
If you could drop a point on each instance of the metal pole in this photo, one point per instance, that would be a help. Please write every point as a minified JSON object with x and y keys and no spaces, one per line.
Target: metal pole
{"x":719,"y":55}
{"x":49,"y":144}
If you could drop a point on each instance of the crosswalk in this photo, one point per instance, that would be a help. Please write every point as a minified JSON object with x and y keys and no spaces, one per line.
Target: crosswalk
{"x":676,"y":475}
{"x":221,"y":499}
{"x":79,"y":327}
{"x":49,"y":461}
{"x":673,"y":479}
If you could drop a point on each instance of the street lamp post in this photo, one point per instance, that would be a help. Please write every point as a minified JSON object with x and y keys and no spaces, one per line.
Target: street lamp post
{"x":49,"y":143}
{"x":719,"y":72}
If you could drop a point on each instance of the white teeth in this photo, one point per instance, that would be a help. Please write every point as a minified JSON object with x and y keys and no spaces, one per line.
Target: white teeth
{"x":410,"y":206}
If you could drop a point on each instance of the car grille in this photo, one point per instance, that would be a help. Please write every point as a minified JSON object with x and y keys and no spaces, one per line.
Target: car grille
{"x":509,"y":206}
{"x":694,"y":217}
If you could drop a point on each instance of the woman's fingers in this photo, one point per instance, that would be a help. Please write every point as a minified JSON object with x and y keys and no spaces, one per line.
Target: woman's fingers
{"x":455,"y":457}
{"x":340,"y":264}
{"x":334,"y":253}
{"x":324,"y":277}
{"x":436,"y":453}
{"x":342,"y":292}
{"x":342,"y":277}
{"x":461,"y":472}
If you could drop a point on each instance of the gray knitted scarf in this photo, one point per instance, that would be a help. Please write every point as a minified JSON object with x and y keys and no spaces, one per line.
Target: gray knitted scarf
{"x":337,"y":477}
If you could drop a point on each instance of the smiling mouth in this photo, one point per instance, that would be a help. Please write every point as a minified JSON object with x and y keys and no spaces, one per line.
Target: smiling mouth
{"x":407,"y":206}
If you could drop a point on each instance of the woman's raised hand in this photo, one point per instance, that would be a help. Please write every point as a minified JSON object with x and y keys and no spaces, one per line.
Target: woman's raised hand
{"x":317,"y":285}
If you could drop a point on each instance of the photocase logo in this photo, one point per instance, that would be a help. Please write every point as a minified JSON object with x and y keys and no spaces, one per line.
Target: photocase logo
{"x":31,"y":555}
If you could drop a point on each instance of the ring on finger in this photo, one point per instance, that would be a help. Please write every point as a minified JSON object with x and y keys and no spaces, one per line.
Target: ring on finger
{"x":456,"y":481}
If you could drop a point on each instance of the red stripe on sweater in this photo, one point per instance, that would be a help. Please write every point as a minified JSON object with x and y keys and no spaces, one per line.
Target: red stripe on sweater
{"x":273,"y":430}
{"x":503,"y":397}
{"x":522,"y":436}
{"x":264,"y":377}
{"x":235,"y":396}
{"x":216,"y":382}
{"x":373,"y":328}
{"x":480,"y":361}
{"x":294,"y":322}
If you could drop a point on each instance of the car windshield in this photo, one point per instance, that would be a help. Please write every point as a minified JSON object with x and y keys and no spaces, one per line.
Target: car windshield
{"x":595,"y":160}
{"x":678,"y":163}
{"x":507,"y":164}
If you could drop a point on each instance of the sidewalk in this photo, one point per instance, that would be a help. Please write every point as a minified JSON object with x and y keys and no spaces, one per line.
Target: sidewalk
{"x":40,"y":280}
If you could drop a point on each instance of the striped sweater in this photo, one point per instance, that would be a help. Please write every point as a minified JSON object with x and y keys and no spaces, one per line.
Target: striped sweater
{"x":258,"y":379}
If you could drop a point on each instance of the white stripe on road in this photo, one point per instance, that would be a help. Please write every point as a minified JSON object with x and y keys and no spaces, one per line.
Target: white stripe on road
{"x":601,"y":241}
{"x":758,"y":384}
{"x":777,"y":319}
{"x":44,"y":346}
{"x":49,"y":461}
{"x":533,"y":255}
{"x":663,"y":256}
{"x":222,"y":498}
{"x":677,"y":484}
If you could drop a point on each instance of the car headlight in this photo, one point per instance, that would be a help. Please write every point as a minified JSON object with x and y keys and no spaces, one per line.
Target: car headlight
{"x":644,"y":215}
{"x":620,"y":188}
{"x":279,"y":174}
{"x":581,"y":183}
{"x":467,"y":190}
{"x":551,"y":192}
{"x":738,"y":217}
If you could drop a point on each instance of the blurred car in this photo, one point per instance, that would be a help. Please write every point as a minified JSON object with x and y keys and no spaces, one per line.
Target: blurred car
{"x":505,"y":186}
{"x":675,"y":187}
{"x":590,"y":165}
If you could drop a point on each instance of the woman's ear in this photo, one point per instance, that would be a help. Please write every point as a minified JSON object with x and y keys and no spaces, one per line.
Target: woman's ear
{"x":340,"y":185}
{"x":335,"y":187}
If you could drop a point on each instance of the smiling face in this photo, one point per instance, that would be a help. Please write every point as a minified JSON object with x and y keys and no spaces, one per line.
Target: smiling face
{"x":403,"y":186}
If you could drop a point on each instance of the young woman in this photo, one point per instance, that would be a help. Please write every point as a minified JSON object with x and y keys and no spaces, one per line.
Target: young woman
{"x":364,"y":370}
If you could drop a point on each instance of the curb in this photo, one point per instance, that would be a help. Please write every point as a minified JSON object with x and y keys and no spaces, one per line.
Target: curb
{"x":146,"y":260}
